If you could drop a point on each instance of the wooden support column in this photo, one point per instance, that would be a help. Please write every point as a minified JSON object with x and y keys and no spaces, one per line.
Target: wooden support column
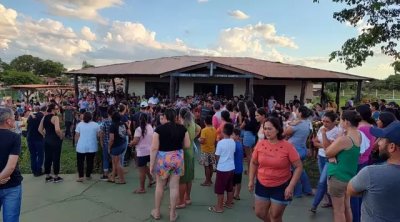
{"x":97,"y":84}
{"x":303,"y":91}
{"x":337,"y":100}
{"x":127,"y":87}
{"x":114,"y":87}
{"x":322,"y":97}
{"x":359,"y":87}
{"x":76,"y":88}
{"x":172,"y":88}
{"x":251,"y":89}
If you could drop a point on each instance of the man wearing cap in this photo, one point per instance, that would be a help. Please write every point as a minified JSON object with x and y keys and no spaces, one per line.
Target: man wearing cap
{"x":143,"y":110}
{"x":379,"y":184}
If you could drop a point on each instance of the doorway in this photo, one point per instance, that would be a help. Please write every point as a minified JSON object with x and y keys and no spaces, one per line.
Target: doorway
{"x":263,"y":92}
{"x":225,"y":90}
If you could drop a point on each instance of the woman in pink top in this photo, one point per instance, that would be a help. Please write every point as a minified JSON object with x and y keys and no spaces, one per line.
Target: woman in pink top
{"x":142,"y":140}
{"x":272,"y":161}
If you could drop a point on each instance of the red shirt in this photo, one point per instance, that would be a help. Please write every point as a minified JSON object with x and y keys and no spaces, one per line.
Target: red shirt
{"x":274,"y":162}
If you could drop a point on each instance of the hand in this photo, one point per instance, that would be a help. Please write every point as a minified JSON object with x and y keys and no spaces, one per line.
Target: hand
{"x":5,"y":180}
{"x":323,"y":130}
{"x":332,"y":160}
{"x":152,"y":170}
{"x":289,"y":192}
{"x":251,"y":186}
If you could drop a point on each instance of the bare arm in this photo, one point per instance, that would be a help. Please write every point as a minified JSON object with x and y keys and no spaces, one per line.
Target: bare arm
{"x":198,"y":130}
{"x":351,"y":191}
{"x":252,"y":173}
{"x":77,"y":136}
{"x":56,"y":121}
{"x":110,"y":141}
{"x":135,"y":141}
{"x":298,"y":169}
{"x":288,"y":131}
{"x":338,"y":145}
{"x":10,"y":167}
{"x":186,"y":141}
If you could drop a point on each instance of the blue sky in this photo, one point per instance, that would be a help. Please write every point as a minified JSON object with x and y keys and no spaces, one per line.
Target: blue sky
{"x":110,"y":31}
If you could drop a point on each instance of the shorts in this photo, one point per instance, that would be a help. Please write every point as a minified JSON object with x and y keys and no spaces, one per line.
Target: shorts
{"x":272,"y":194}
{"x":170,"y":163}
{"x":249,"y":139}
{"x":237,"y":179}
{"x":223,"y":182}
{"x":207,"y":159}
{"x":143,"y":160}
{"x":336,"y":188}
{"x":118,"y":150}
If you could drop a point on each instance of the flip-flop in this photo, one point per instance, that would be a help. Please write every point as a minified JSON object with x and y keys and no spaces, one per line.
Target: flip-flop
{"x":236,"y":198}
{"x":212,"y":209}
{"x":205,"y":184}
{"x":326,"y":205}
{"x":181,"y":206}
{"x":175,"y":218}
{"x":155,"y":217}
{"x":80,"y":180}
{"x":111,"y":181}
{"x":228,"y":206}
{"x":139,"y":191}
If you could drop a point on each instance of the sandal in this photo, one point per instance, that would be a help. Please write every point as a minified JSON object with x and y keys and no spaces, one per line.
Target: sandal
{"x":326,"y":205}
{"x":151,"y":183}
{"x":139,"y":191}
{"x":175,"y":218}
{"x":154,"y":216}
{"x":180,"y":206}
{"x":236,"y":198}
{"x":212,"y":209}
{"x":120,"y":182}
{"x":229,"y":206}
{"x":80,"y":179}
{"x":111,"y":181}
{"x":205,"y":184}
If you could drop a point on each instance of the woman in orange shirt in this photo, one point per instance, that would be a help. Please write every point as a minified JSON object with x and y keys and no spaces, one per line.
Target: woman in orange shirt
{"x":271,"y":161}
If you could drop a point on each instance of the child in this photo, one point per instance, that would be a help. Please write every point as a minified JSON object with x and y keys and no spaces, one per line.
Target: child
{"x":225,"y":170}
{"x":237,"y":177}
{"x":207,"y":140}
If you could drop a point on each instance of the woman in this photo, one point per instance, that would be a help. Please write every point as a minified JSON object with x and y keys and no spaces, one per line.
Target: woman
{"x":225,"y":118}
{"x":50,"y":129}
{"x":123,"y":112}
{"x":87,"y":133}
{"x":298,"y":132}
{"x":142,"y":142}
{"x":249,"y":127}
{"x":185,"y":183}
{"x":271,"y":164}
{"x":242,"y":115}
{"x":166,"y":161}
{"x":343,"y":156}
{"x":261,"y":116}
{"x":325,"y":136}
{"x":331,"y":106}
{"x":116,"y":146}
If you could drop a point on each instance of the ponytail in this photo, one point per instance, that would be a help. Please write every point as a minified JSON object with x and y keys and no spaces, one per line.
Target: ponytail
{"x":143,"y":123}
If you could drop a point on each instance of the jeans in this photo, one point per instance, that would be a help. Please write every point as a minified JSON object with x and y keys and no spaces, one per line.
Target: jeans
{"x":322,"y":183}
{"x":304,"y":185}
{"x":106,"y":158}
{"x":355,"y":202}
{"x":122,"y":156}
{"x":36,"y":150}
{"x":10,"y":203}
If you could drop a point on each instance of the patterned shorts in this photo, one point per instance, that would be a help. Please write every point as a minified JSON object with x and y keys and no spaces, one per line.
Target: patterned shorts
{"x":207,"y":159}
{"x":169,"y":163}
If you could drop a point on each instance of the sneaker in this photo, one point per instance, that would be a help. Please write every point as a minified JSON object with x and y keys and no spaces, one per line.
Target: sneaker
{"x":58,"y":180}
{"x":313,"y":210}
{"x":104,"y":178}
{"x":49,"y":179}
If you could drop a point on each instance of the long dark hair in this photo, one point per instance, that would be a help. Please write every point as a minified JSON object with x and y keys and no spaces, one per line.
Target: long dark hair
{"x":305,"y":112}
{"x":365,"y":113}
{"x":352,"y":116}
{"x":143,"y":123}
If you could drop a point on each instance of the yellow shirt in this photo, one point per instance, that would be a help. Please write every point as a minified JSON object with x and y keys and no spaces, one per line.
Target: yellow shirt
{"x":209,"y":134}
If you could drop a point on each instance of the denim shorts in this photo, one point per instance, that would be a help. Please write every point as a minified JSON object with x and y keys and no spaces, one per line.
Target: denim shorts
{"x":118,"y":150}
{"x":249,"y":139}
{"x":272,"y":194}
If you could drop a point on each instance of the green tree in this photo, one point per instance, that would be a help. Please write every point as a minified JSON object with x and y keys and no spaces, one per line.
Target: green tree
{"x":382,"y":29}
{"x":4,"y":66}
{"x":13,"y":77}
{"x":86,"y":65}
{"x":49,"y":68}
{"x":25,"y":63}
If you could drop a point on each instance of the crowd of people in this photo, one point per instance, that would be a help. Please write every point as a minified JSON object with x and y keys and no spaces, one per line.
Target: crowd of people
{"x":358,"y":150}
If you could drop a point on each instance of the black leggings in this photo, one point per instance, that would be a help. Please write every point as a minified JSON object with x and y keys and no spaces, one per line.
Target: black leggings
{"x":52,"y":154}
{"x":81,"y":162}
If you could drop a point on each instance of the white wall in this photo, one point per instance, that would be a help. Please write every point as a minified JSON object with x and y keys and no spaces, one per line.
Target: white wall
{"x":137,"y":84}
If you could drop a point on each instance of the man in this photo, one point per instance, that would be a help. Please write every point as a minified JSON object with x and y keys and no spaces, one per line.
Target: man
{"x":35,"y":141}
{"x":271,"y":104}
{"x":10,"y":176}
{"x":68,"y":119}
{"x":216,"y":119}
{"x":206,"y":110}
{"x":296,"y":100}
{"x":379,"y":184}
{"x":143,"y":110}
{"x":309,"y":104}
{"x":154,"y":99}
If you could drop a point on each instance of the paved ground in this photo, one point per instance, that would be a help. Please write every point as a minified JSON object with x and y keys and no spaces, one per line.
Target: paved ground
{"x":101,"y":201}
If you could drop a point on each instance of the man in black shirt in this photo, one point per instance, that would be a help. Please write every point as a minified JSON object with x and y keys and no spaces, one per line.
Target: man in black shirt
{"x":10,"y":176}
{"x":35,"y":142}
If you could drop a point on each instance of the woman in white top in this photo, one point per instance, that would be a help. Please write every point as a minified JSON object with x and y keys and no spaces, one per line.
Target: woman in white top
{"x":261,"y":116}
{"x":87,"y":134}
{"x":142,"y":140}
{"x":325,"y":136}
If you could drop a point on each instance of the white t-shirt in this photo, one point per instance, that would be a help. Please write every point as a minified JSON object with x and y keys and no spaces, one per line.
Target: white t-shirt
{"x":144,"y":145}
{"x":331,"y":135}
{"x":226,"y":152}
{"x":87,"y":142}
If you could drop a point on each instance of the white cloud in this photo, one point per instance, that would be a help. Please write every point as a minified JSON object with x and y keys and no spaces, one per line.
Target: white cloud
{"x":88,"y":34}
{"x":8,"y":26}
{"x":237,"y":14}
{"x":87,"y":10}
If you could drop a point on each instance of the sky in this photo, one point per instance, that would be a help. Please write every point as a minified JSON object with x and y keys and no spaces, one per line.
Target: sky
{"x":113,"y":31}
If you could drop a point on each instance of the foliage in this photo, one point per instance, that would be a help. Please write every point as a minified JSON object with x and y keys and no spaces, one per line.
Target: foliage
{"x":49,"y":68}
{"x":85,"y":65}
{"x":4,"y":66}
{"x":382,"y":28}
{"x":64,"y":80}
{"x":19,"y":78}
{"x":25,"y":63}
